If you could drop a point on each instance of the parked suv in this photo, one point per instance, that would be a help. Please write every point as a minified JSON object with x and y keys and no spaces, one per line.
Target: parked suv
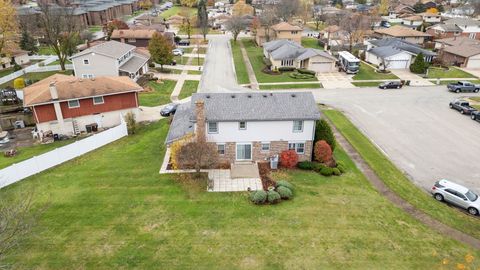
{"x":456,"y":194}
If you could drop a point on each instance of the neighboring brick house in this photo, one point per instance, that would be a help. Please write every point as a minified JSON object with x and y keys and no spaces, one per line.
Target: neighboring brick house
{"x":249,"y":126}
{"x":111,"y":58}
{"x":69,"y":105}
{"x":459,"y":51}
{"x":439,"y":31}
{"x":402,"y":32}
{"x":139,"y":36}
{"x":470,"y":27}
{"x":281,"y":30}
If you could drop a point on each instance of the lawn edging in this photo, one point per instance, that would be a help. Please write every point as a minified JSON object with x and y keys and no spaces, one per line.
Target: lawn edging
{"x":397,"y":182}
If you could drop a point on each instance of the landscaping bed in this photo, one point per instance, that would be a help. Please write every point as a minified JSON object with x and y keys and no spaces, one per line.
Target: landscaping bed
{"x":366,"y":72}
{"x":111,"y":209}
{"x":157,"y":93}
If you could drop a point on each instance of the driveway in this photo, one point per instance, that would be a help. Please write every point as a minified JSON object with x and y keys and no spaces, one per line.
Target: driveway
{"x":416,"y":130}
{"x":334,"y":80}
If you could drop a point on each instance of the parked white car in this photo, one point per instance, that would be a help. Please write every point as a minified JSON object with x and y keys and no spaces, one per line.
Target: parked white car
{"x":177,"y":52}
{"x":445,"y":190}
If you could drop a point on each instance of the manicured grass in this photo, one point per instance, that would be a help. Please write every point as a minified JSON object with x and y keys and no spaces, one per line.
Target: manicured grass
{"x":46,"y":50}
{"x":311,"y":43}
{"x":58,"y":63}
{"x":194,"y":72}
{"x":177,"y":10}
{"x":189,"y":87}
{"x":366,"y":84}
{"x":36,"y":76}
{"x":197,"y":61}
{"x":111,"y":209}
{"x":6,"y":71}
{"x":240,"y":67}
{"x":452,"y":72}
{"x":366,"y":72}
{"x":182,"y":60}
{"x":476,"y":107}
{"x":399,"y":183}
{"x":187,"y":50}
{"x":255,"y":54}
{"x":453,"y":81}
{"x":24,"y":153}
{"x":168,"y":70}
{"x":160,"y":94}
{"x":475,"y":99}
{"x":202,"y":50}
{"x":290,"y":86}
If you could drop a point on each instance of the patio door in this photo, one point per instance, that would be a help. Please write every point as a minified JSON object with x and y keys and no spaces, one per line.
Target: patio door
{"x":244,"y":151}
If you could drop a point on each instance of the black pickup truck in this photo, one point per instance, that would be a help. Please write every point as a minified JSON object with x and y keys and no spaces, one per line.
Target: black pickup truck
{"x":463,"y":86}
{"x":462,"y":106}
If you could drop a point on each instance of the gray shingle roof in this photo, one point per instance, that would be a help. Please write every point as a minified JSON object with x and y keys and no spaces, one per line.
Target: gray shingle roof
{"x":275,"y":44}
{"x":286,"y":49}
{"x":462,"y":21}
{"x":447,"y":27}
{"x":402,"y":45}
{"x":134,"y":63}
{"x":111,"y":48}
{"x":385,"y":51}
{"x":181,"y":124}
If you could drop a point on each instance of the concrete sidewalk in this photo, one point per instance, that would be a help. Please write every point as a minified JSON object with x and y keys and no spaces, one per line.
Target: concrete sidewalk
{"x":248,"y":64}
{"x":415,"y":80}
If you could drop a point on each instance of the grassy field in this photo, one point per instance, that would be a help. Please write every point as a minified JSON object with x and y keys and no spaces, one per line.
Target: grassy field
{"x":37,"y":76}
{"x":368,"y":73}
{"x":58,"y":63}
{"x":177,"y":10}
{"x":366,"y":84}
{"x":449,"y":81}
{"x":194,"y":72}
{"x":160,"y":95}
{"x":202,"y":50}
{"x":182,"y":60}
{"x":255,"y":54}
{"x":399,"y":183}
{"x":110,"y":209}
{"x":188,"y":88}
{"x":290,"y":86}
{"x":45,"y":50}
{"x":240,"y":67}
{"x":6,"y":71}
{"x":167,"y":70}
{"x":311,"y":43}
{"x":452,"y":72}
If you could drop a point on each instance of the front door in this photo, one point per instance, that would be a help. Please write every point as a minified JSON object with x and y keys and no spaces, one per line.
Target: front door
{"x":244,"y":151}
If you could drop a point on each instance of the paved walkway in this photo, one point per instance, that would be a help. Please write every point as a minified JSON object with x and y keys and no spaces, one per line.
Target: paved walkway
{"x":414,"y":79}
{"x":248,"y":64}
{"x":380,"y":186}
{"x":194,"y":54}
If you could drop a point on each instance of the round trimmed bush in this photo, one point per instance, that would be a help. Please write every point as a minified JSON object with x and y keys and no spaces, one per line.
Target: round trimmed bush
{"x":285,"y":193}
{"x":283,"y":183}
{"x":341,"y":168}
{"x":258,"y":197}
{"x":336,"y":171}
{"x":318,"y":167}
{"x":273,"y":196}
{"x":305,"y":165}
{"x":327,"y":171}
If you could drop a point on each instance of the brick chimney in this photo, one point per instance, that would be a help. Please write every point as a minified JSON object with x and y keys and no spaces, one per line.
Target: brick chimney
{"x":200,"y":117}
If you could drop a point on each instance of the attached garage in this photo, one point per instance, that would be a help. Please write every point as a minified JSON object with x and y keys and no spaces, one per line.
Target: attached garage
{"x":320,"y":67}
{"x":393,"y":58}
{"x":473,"y":62}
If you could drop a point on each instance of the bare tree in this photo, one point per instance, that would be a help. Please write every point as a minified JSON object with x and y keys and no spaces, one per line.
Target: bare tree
{"x":287,"y":9}
{"x":60,"y":30}
{"x":236,"y":25}
{"x":17,"y":217}
{"x":354,"y":26}
{"x":267,"y":19}
{"x":197,"y":154}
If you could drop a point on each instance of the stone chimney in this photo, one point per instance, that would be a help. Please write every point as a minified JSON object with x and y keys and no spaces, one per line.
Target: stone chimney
{"x":200,"y":117}
{"x":53,"y":91}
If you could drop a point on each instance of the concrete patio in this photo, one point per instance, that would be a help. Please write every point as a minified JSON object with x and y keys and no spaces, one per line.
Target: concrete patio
{"x":221,"y":181}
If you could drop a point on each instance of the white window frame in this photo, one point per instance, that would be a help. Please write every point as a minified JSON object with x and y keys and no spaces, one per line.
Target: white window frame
{"x":295,"y":146}
{"x":236,"y":151}
{"x":86,"y":62}
{"x":263,"y":144}
{"x":216,"y":127}
{"x":240,"y":125}
{"x":87,"y":76}
{"x":131,"y":40}
{"x":224,"y":148}
{"x":98,"y":103}
{"x":294,"y":126}
{"x":76,"y":106}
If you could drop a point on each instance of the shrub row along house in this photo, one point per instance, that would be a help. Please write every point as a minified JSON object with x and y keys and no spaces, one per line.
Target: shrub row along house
{"x":69,"y":105}
{"x":288,"y":54}
{"x":249,"y":126}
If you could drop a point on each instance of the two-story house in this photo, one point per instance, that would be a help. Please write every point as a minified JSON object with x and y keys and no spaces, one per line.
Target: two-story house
{"x":470,"y":27}
{"x":402,"y":32}
{"x":69,"y":105}
{"x":249,"y":126}
{"x":281,"y":30}
{"x":111,"y":58}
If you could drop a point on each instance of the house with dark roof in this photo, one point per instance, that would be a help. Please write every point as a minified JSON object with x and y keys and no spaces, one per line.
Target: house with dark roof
{"x":69,"y":105}
{"x":397,"y":53}
{"x":249,"y":126}
{"x":286,"y":53}
{"x":110,"y":58}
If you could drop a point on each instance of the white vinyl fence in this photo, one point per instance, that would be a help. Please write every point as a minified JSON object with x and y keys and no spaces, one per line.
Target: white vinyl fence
{"x":34,"y":165}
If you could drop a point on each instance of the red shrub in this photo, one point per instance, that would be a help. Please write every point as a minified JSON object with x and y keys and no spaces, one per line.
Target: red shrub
{"x":288,"y":159}
{"x":323,"y":152}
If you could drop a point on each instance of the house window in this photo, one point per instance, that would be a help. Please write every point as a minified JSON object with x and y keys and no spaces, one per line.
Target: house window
{"x":297,"y":126}
{"x":265,"y":147}
{"x":242,"y":125}
{"x":294,"y":32}
{"x":73,"y":103}
{"x":221,"y":149}
{"x":132,"y":40}
{"x":87,"y":76}
{"x":98,"y":100}
{"x":298,"y":147}
{"x":212,"y":127}
{"x":86,"y":62}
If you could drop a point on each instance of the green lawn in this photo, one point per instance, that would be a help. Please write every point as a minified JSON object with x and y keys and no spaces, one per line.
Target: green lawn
{"x":24,"y":153}
{"x":160,"y":95}
{"x":311,"y":43}
{"x":290,"y":86}
{"x":46,"y":50}
{"x":255,"y":54}
{"x":37,"y":76}
{"x":58,"y":63}
{"x":189,"y":87}
{"x":176,"y":10}
{"x":366,"y":72}
{"x":399,"y":183}
{"x":194,"y":72}
{"x":95,"y":28}
{"x":240,"y":67}
{"x":202,"y":50}
{"x":475,"y":98}
{"x":452,"y":72}
{"x":6,"y":71}
{"x":453,"y":81}
{"x":110,"y":209}
{"x":182,"y":60}
{"x":168,"y":70}
{"x":366,"y":84}
{"x":187,"y":50}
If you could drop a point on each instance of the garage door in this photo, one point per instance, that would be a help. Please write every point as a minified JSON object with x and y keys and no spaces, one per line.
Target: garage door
{"x":321,"y":67}
{"x":473,"y":63}
{"x":398,"y":64}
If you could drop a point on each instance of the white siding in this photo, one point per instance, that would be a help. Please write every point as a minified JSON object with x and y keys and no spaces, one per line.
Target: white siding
{"x":398,"y":61}
{"x":261,"y":131}
{"x":99,"y":65}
